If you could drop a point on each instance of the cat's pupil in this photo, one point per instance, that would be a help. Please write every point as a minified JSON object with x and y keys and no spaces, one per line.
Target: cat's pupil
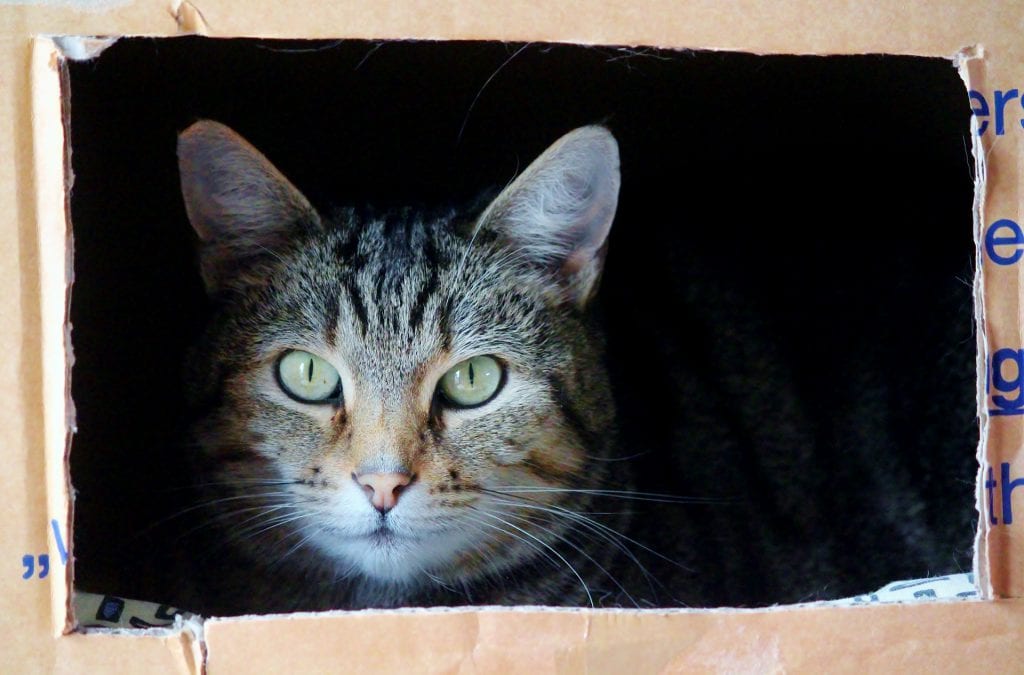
{"x":307,"y":378}
{"x":460,"y":387}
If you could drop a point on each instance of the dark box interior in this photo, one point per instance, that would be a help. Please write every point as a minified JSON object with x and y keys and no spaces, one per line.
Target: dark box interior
{"x":805,"y":220}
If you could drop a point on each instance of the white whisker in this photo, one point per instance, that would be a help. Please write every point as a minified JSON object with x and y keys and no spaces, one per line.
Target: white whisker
{"x":586,"y":589}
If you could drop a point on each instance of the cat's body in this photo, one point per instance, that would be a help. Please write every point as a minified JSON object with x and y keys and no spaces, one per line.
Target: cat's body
{"x":381,"y":486}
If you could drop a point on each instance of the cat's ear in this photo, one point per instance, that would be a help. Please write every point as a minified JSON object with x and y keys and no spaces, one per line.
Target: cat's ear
{"x":558,"y":212}
{"x":239,"y":204}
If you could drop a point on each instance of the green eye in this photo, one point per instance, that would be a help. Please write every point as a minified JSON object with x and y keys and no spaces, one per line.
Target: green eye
{"x":473,"y":382}
{"x":307,"y":377}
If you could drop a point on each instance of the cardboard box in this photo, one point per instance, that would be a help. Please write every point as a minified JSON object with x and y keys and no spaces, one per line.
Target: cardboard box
{"x":34,"y":380}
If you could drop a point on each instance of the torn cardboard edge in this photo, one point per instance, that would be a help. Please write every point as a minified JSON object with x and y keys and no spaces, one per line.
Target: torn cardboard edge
{"x":82,"y":48}
{"x":53,"y":181}
{"x":189,"y":19}
{"x":880,"y":31}
{"x":192,"y":24}
{"x":878,"y":638}
{"x":115,"y":615}
{"x":967,"y":60}
{"x":471,"y":629}
{"x":54,"y":231}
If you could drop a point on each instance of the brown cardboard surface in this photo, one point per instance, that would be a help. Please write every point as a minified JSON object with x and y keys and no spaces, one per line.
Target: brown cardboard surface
{"x":957,"y":636}
{"x":937,"y":637}
{"x":52,"y":230}
{"x":116,"y":653}
{"x":797,"y":26}
{"x":23,"y":514}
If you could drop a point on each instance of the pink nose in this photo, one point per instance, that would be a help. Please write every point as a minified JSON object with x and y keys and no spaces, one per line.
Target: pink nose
{"x":383,"y":488}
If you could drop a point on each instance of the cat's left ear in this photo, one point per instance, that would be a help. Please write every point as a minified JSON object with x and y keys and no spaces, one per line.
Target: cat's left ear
{"x":559,"y":211}
{"x":239,"y":204}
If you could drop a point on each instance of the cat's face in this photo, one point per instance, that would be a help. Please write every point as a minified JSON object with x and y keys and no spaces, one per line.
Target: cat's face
{"x":405,"y":399}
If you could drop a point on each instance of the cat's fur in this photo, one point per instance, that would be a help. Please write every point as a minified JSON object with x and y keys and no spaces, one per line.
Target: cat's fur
{"x":393,"y":301}
{"x":521,"y":501}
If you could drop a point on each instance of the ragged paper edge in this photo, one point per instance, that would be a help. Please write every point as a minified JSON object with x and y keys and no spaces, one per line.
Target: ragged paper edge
{"x":82,"y":47}
{"x":188,"y":635}
{"x":950,"y":588}
{"x":188,"y":17}
{"x":48,"y":51}
{"x":186,"y":638}
{"x":890,"y":594}
{"x":185,"y":635}
{"x":966,"y":59}
{"x":192,"y":633}
{"x":48,"y":141}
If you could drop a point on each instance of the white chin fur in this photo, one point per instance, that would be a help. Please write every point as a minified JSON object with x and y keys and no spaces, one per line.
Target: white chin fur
{"x":397,"y":559}
{"x":417,"y":551}
{"x":414,"y":553}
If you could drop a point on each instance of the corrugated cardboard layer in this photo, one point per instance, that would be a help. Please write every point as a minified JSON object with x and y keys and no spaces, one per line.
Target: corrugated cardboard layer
{"x":943,"y":636}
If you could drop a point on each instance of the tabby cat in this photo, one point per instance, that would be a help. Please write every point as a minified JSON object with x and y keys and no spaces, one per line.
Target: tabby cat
{"x":403,"y":408}
{"x":397,"y":409}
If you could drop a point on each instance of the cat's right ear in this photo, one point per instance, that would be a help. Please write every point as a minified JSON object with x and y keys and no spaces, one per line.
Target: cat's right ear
{"x":239,"y":204}
{"x":558,"y":212}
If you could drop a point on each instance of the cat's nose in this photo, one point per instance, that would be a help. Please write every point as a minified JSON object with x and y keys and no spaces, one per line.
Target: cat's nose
{"x":383,"y":489}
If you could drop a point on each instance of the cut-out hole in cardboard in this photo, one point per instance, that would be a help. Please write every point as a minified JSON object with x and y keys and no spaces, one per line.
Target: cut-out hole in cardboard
{"x":787,"y":293}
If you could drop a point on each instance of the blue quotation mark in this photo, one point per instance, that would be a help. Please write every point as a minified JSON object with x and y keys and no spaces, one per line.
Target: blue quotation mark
{"x":30,"y":566}
{"x":38,"y":566}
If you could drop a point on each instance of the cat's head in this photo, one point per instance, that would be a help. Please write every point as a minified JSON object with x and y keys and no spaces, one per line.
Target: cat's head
{"x":405,"y":399}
